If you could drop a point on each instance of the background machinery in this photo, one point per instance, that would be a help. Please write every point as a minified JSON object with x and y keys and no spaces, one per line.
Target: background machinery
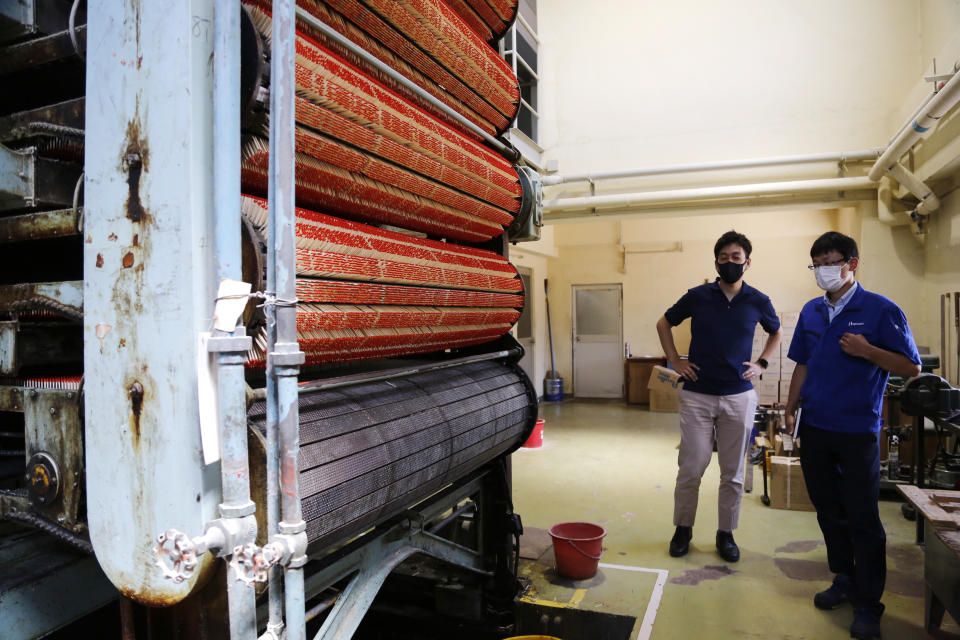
{"x":255,"y":304}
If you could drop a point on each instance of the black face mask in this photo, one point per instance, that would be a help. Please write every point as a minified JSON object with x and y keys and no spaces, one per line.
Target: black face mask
{"x":730,"y":272}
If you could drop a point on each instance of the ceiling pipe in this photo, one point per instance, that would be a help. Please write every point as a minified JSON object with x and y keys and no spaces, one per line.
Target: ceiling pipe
{"x":928,"y":199}
{"x":923,"y":122}
{"x":675,"y":196}
{"x":846,"y":156}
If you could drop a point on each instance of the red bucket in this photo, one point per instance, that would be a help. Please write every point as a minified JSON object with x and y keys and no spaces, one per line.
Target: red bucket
{"x":577,"y":547}
{"x":536,"y":436}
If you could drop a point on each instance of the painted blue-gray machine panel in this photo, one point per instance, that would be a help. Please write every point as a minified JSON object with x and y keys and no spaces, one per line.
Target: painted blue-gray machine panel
{"x":149,"y":283}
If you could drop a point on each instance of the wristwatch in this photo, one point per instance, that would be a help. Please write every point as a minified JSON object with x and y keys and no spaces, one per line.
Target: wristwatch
{"x":763,"y":363}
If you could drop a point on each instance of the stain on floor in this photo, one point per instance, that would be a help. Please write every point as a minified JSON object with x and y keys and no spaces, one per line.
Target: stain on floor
{"x":799,"y":546}
{"x":534,"y":543}
{"x":693,"y":577}
{"x":905,"y":556}
{"x":807,"y":570}
{"x":904,"y":584}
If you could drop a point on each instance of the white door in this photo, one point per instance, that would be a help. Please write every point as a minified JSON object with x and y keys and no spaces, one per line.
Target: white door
{"x":597,"y":341}
{"x":525,"y":324}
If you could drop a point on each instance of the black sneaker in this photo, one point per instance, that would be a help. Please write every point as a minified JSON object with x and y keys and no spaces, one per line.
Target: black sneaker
{"x":866,"y":622}
{"x":680,"y":543}
{"x":835,"y":595}
{"x":726,"y":547}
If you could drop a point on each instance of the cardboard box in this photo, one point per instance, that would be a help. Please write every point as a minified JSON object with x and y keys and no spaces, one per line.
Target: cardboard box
{"x":787,"y":488}
{"x":784,"y":390}
{"x":768,"y":391}
{"x":778,"y":449}
{"x":664,"y":387}
{"x":789,"y":319}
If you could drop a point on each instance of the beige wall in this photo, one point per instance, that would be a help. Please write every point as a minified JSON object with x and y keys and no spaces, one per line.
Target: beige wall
{"x":660,"y":259}
{"x":628,"y":84}
{"x":535,"y":256}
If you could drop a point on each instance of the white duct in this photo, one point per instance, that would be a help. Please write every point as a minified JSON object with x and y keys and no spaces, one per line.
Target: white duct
{"x":672,"y":196}
{"x":843,"y":156}
{"x":925,"y":120}
{"x":928,"y":200}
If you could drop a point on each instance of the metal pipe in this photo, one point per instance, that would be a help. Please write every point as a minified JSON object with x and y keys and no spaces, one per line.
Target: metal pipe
{"x":226,"y":136}
{"x":284,"y":356}
{"x":275,"y":595}
{"x":934,"y":109}
{"x":440,"y":526}
{"x":389,"y":71}
{"x":632,"y":200}
{"x":928,"y":199}
{"x":843,"y":156}
{"x":943,"y":336}
{"x":322,"y":606}
{"x":387,"y":374}
{"x":231,"y":348}
{"x":913,"y":115}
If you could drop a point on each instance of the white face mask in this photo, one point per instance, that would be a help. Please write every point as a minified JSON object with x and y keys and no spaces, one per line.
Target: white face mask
{"x":829,"y":278}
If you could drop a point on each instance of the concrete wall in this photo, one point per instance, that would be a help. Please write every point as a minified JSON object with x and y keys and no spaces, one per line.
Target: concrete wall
{"x":636,"y":84}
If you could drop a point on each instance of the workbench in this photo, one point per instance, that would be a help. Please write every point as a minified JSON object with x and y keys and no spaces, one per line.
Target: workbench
{"x":940,"y":511}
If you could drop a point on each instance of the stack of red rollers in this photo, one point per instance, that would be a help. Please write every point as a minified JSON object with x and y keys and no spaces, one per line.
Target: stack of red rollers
{"x":367,"y":153}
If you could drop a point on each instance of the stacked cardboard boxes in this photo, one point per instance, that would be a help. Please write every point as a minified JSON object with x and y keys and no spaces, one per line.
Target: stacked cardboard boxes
{"x":774,"y":385}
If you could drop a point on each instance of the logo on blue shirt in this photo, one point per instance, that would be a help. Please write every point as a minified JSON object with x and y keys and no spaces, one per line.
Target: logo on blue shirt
{"x":855,"y":324}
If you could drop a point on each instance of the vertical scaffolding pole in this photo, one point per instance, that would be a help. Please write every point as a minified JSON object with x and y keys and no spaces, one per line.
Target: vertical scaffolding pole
{"x":231,"y":347}
{"x":285,"y":357}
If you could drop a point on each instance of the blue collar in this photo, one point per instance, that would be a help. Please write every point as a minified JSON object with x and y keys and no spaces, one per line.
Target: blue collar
{"x":715,"y":285}
{"x":844,"y":299}
{"x":852,"y":303}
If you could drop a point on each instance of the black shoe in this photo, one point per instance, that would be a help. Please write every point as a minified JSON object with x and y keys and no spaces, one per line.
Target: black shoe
{"x":726,"y":547}
{"x":866,"y":622}
{"x":835,"y":595}
{"x":680,"y":543}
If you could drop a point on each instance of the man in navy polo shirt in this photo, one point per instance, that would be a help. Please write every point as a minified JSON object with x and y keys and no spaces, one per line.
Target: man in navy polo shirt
{"x":717,"y":399}
{"x":845,"y":346}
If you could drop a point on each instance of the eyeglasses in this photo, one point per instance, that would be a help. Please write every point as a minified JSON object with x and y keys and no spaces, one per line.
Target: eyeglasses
{"x":814,"y":267}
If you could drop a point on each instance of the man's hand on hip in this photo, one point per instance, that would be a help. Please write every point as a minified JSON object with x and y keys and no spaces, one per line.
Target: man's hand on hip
{"x":754,"y":370}
{"x":685,"y":368}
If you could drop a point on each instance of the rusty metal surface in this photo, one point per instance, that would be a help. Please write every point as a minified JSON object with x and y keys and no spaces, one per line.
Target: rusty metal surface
{"x":40,"y":51}
{"x":40,"y":225}
{"x":11,"y":398}
{"x":63,"y":297}
{"x":18,"y":126}
{"x":53,"y":426}
{"x":29,"y":180}
{"x":149,"y":285}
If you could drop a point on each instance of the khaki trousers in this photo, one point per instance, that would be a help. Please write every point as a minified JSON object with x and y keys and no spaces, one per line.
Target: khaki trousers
{"x":731,"y":417}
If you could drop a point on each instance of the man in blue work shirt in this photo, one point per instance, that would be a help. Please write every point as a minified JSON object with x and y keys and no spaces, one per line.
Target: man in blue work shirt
{"x":717,"y":399}
{"x":846,"y":344}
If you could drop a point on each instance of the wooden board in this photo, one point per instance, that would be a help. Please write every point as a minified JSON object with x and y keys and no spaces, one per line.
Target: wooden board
{"x":934,"y":513}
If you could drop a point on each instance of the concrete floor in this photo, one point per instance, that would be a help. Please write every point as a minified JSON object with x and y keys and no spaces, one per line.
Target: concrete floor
{"x":615,"y":465}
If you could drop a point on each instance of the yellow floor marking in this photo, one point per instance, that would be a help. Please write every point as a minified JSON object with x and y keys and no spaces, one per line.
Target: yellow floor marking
{"x":578,"y":596}
{"x":548,"y":603}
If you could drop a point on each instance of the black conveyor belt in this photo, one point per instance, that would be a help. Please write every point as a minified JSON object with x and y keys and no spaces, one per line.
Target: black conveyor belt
{"x":372,"y":450}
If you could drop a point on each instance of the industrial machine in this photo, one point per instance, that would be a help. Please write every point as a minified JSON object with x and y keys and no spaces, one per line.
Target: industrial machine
{"x":255,"y":304}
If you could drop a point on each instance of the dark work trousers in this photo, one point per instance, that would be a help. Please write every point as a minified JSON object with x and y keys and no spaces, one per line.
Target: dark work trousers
{"x":842,"y":474}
